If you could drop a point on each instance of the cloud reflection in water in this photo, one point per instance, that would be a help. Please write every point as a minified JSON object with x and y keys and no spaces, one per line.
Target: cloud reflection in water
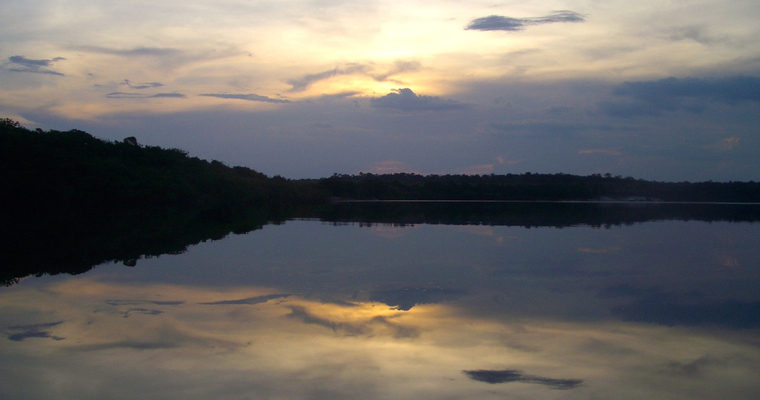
{"x":520,"y":321}
{"x":512,"y":375}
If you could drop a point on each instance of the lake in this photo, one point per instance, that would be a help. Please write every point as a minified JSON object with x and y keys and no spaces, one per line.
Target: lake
{"x":405,"y":306}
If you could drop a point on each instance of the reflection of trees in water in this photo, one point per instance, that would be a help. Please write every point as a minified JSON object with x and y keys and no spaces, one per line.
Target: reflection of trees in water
{"x":52,"y":243}
{"x":534,"y":214}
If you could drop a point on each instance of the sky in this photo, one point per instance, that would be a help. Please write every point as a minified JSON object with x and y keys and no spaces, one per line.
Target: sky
{"x":662,"y":90}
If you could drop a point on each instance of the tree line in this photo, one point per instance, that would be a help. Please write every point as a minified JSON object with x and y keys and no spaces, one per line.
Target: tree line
{"x":532,"y":187}
{"x":74,"y":172}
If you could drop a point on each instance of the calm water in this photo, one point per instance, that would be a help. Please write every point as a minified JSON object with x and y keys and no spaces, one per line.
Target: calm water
{"x":313,"y":310}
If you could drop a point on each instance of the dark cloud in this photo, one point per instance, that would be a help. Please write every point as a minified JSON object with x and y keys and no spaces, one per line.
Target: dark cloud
{"x":691,"y":94}
{"x":731,"y":89}
{"x":300,"y":84}
{"x":23,"y":64}
{"x":496,"y":23}
{"x":406,"y":100}
{"x":139,"y":86}
{"x":654,"y":305}
{"x":143,"y":311}
{"x":168,"y":95}
{"x":33,"y":63}
{"x":250,"y":300}
{"x":33,"y":331}
{"x":125,"y":95}
{"x":248,"y":97}
{"x":406,"y":298}
{"x":511,"y":375}
{"x":138,"y":302}
{"x":500,"y":23}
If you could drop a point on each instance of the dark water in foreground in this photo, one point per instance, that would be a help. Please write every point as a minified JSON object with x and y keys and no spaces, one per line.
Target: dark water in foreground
{"x":665,"y":309}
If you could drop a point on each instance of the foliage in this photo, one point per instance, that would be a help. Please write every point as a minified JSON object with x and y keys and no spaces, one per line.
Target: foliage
{"x":532,"y":187}
{"x":73,"y":172}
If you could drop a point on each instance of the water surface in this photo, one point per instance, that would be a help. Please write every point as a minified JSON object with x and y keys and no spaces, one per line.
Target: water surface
{"x":308,"y":309}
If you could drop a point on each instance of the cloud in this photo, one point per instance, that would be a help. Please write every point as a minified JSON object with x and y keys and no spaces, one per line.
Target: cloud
{"x":137,"y":51}
{"x":248,"y":97}
{"x":354,"y":329}
{"x":511,"y":375}
{"x":695,"y":33}
{"x":302,"y":314}
{"x":23,"y":64}
{"x":168,"y":95}
{"x":250,"y":300}
{"x":142,"y":85}
{"x":666,"y":310}
{"x":654,"y":305}
{"x":338,"y":96}
{"x":692,"y":94}
{"x":124,"y":95}
{"x":406,"y":100}
{"x":33,"y":331}
{"x":143,"y":311}
{"x":164,"y":337}
{"x":500,"y":23}
{"x":406,"y":298}
{"x":731,"y":89}
{"x":300,"y":84}
{"x":398,"y":68}
{"x":138,"y":302}
{"x":165,"y":56}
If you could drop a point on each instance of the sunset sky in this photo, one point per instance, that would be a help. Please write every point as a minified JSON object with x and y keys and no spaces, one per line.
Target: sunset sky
{"x":664,"y":90}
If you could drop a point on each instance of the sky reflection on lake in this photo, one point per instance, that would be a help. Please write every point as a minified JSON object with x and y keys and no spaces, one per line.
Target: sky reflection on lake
{"x":667,"y":310}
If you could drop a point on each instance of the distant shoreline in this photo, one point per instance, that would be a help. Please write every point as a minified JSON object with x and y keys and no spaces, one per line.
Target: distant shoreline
{"x":73,"y":173}
{"x":339,"y":201}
